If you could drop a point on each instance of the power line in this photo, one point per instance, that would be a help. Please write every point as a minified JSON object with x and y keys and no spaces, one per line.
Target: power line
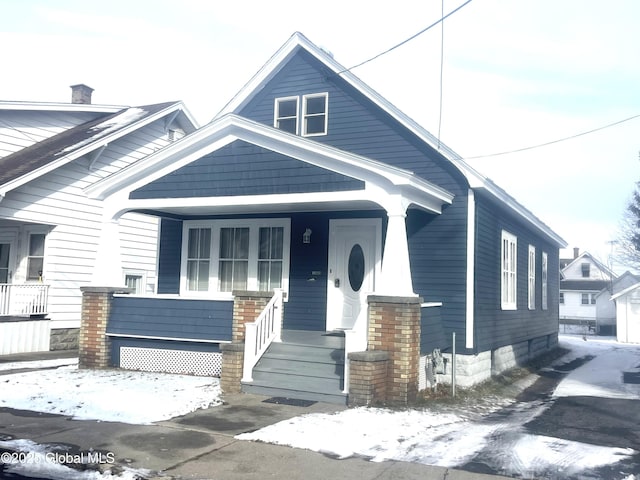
{"x":571,"y":137}
{"x":405,"y":41}
{"x":441,"y":71}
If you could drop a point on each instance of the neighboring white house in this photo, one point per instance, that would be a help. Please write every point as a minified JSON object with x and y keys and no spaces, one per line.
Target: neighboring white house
{"x":49,"y":228}
{"x":628,"y":314}
{"x":585,"y":293}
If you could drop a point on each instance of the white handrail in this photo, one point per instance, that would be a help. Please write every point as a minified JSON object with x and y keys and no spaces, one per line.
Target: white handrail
{"x":25,"y":299}
{"x":259,"y":334}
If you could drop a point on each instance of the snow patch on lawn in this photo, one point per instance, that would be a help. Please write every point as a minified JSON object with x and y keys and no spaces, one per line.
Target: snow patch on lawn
{"x":109,"y":395}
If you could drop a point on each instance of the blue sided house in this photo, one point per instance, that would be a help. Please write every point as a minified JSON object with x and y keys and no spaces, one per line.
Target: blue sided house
{"x":312,"y":185}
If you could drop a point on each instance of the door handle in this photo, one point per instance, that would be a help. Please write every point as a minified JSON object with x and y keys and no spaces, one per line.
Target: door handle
{"x":336,"y":283}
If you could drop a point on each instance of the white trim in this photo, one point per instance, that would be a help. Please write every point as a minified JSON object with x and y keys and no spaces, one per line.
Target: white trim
{"x":471,"y":275}
{"x":303,"y":117}
{"x":152,"y":337}
{"x":430,"y":304}
{"x":506,"y":303}
{"x":254,"y":224}
{"x":475,"y":179}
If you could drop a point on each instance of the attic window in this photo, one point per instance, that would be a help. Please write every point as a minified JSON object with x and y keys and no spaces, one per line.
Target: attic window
{"x":314,"y":114}
{"x":306,"y":118}
{"x":286,"y":114}
{"x":585,"y":270}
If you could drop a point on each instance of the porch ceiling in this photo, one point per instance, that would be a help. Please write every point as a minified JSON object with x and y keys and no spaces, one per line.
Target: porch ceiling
{"x":247,"y":209}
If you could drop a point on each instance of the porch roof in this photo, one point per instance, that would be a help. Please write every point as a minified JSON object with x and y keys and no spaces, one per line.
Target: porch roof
{"x":385,"y":185}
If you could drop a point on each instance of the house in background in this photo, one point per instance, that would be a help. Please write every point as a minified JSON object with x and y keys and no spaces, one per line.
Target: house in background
{"x":627,"y":302}
{"x":311,"y":184}
{"x":49,"y":229}
{"x":585,"y":293}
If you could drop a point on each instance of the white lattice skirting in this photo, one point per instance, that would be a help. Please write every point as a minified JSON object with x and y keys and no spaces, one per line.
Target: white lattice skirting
{"x":171,"y":361}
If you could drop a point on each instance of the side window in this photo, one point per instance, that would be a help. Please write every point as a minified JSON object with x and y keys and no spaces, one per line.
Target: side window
{"x":35,"y":259}
{"x":545,"y":280}
{"x":532,"y":277}
{"x":509,"y":266}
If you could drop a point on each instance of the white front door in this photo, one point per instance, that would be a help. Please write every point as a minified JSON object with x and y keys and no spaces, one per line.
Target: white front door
{"x":354,"y":264}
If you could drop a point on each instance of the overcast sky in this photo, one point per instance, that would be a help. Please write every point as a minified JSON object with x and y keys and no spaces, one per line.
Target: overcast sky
{"x":515,"y":74}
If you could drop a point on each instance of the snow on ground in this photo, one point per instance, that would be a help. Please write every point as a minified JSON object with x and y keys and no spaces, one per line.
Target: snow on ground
{"x":41,"y":462}
{"x":490,"y":430}
{"x":595,"y":378}
{"x":108,"y":395}
{"x":38,"y":364}
{"x":452,"y":438}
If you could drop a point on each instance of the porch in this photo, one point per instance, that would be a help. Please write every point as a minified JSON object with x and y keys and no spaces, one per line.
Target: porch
{"x":23,"y":323}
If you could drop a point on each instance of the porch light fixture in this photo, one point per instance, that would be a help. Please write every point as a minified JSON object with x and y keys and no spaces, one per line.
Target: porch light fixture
{"x":306,"y":236}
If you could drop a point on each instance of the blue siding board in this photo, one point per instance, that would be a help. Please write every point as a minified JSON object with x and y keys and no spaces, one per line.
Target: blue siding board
{"x":244,"y":169}
{"x":174,"y":318}
{"x":437,"y":244}
{"x":169,"y":253}
{"x":497,"y":327}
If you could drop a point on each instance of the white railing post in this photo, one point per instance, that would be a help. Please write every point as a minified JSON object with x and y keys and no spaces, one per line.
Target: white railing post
{"x":267,"y":328}
{"x":26,"y":299}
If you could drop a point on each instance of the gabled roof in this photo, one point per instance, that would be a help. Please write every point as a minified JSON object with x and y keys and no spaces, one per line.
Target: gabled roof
{"x":58,"y":107}
{"x":476,"y":180}
{"x":626,"y":291}
{"x":31,"y":162}
{"x":229,"y":128}
{"x":586,"y":255}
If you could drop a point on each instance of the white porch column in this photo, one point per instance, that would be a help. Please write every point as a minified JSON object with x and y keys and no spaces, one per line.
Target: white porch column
{"x":108,"y":267}
{"x":396,"y":269}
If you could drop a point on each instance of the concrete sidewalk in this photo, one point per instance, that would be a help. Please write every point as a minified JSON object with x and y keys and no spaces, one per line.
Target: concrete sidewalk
{"x":202,"y":445}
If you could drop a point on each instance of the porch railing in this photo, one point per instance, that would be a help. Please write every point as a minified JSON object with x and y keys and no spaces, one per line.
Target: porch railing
{"x":259,"y":334}
{"x":23,"y":300}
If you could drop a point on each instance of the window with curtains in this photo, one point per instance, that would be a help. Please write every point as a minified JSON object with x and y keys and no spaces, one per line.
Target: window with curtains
{"x":220,"y":256}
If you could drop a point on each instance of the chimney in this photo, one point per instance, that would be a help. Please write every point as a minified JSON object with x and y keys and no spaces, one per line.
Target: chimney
{"x":81,"y":94}
{"x":576,"y":252}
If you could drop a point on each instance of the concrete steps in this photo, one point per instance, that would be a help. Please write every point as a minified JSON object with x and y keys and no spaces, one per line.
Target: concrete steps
{"x":305,"y":365}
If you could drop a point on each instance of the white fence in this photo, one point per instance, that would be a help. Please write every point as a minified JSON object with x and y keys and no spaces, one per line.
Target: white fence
{"x":259,"y":334}
{"x":23,"y":300}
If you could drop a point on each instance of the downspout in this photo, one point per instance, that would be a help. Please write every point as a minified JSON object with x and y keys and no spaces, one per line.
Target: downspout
{"x":471,"y":257}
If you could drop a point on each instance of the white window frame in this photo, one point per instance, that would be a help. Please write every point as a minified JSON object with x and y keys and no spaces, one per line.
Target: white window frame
{"x":28,"y":233}
{"x":276,"y":113}
{"x":301,"y":113}
{"x":545,"y":281}
{"x":531,"y":278}
{"x":127,"y":272}
{"x":509,"y":271}
{"x":254,"y":225}
{"x":306,"y":115}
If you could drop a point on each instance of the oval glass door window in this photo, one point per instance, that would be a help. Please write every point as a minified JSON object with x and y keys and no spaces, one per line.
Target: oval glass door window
{"x":356,"y":267}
